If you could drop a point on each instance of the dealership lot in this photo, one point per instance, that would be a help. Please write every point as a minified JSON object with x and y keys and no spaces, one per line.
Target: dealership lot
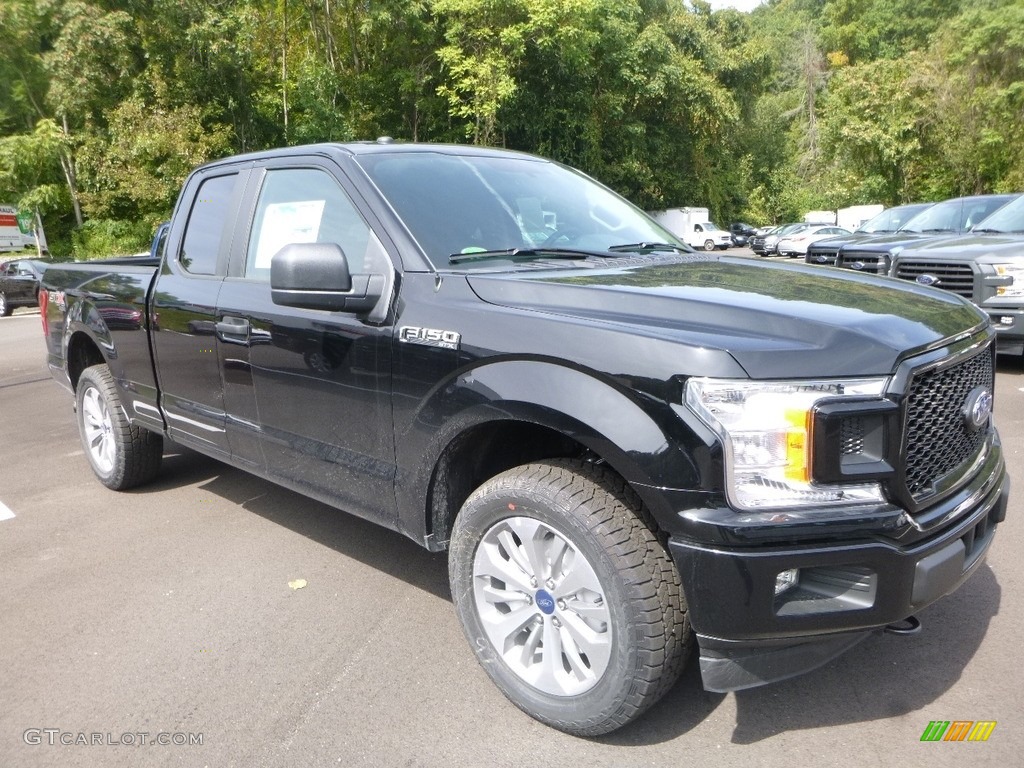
{"x":177,"y":612}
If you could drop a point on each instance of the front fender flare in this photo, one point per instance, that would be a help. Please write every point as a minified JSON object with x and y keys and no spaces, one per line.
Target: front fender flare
{"x":639,"y":436}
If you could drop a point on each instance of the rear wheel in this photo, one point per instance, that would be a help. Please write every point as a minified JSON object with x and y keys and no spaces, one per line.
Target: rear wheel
{"x":571,"y":603}
{"x":121,"y":455}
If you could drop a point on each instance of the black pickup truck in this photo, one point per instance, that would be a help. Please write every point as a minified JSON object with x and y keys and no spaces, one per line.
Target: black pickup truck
{"x":627,"y":449}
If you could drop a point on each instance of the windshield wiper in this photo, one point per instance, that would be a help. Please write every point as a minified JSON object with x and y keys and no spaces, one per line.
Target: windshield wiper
{"x":936,"y":229}
{"x":645,"y":248}
{"x":990,"y":231}
{"x":524,"y":254}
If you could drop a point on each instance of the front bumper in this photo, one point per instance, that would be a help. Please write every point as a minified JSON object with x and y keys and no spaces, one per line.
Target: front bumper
{"x":1009,"y":325}
{"x":847,"y":589}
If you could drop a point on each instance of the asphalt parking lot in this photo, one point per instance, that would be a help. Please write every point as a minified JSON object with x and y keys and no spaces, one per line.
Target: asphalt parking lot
{"x":171,"y":612}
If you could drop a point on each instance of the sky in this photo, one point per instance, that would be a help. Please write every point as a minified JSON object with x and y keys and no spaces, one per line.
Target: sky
{"x":739,"y":5}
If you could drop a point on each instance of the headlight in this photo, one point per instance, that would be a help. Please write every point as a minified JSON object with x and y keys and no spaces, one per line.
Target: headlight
{"x":1016,"y":273}
{"x":765,"y":429}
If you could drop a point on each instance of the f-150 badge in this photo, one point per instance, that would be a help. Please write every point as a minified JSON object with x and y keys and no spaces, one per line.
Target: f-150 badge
{"x":430,"y":337}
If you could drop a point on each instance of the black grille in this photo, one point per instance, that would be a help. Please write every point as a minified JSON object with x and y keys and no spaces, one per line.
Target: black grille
{"x":937,"y":438}
{"x":958,"y":278}
{"x":821,"y":256}
{"x":851,"y":436}
{"x":873,"y":263}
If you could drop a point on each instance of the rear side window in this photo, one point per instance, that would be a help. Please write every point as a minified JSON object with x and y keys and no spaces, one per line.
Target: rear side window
{"x":206,"y":225}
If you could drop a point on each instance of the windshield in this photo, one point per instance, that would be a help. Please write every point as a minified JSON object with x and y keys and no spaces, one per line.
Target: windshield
{"x":789,"y":229}
{"x":892,"y":219}
{"x":1009,"y":218}
{"x":956,"y":215}
{"x":457,"y":204}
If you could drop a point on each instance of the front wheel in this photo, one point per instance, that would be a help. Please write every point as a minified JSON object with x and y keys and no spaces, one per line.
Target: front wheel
{"x":571,"y":603}
{"x":5,"y":308}
{"x":709,"y":245}
{"x":121,"y":455}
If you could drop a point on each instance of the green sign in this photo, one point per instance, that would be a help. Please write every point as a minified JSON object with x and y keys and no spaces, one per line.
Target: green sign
{"x":26,"y":222}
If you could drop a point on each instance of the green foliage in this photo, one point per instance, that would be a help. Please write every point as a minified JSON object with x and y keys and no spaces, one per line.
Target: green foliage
{"x":105,"y":105}
{"x":873,"y":124}
{"x":136,"y":168}
{"x":103,"y":238}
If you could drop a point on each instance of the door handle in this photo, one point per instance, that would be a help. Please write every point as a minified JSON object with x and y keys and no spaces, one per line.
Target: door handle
{"x":234,"y":330}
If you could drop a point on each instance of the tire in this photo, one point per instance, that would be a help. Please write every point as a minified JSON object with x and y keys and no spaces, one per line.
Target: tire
{"x":709,"y":245}
{"x":121,"y":455}
{"x":5,"y":308}
{"x":612,"y":607}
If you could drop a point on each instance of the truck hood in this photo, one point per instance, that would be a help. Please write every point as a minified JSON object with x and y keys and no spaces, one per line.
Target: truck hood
{"x":776,"y":320}
{"x":885,"y":243}
{"x":833,"y":244}
{"x":974,"y":246}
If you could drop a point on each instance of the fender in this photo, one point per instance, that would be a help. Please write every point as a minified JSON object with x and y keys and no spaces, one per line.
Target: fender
{"x":85,"y":318}
{"x":640,"y":437}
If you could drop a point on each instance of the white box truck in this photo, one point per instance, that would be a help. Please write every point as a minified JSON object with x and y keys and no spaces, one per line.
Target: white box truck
{"x":852,"y":217}
{"x":11,"y":237}
{"x":694,"y":227}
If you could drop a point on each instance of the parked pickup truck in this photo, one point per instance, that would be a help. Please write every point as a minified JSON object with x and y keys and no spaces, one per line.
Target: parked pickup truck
{"x":629,"y":450}
{"x":985,"y":266}
{"x":942,"y":220}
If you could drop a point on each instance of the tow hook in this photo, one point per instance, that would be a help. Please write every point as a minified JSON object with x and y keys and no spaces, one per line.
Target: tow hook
{"x":909,"y":626}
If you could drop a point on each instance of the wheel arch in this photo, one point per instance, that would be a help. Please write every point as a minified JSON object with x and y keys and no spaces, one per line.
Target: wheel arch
{"x":510,"y":413}
{"x":80,"y":352}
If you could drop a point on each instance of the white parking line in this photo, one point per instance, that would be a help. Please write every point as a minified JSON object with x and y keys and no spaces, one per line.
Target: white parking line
{"x":5,"y":512}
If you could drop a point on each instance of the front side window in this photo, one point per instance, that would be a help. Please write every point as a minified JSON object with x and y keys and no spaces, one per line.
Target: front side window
{"x":206,"y":225}
{"x":305,"y":205}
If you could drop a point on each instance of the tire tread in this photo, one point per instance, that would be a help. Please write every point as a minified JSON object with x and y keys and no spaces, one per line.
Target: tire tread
{"x":140,"y":451}
{"x":614,"y":514}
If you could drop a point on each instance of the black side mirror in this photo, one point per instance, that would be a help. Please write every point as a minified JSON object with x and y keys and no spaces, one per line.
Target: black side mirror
{"x":316,"y":276}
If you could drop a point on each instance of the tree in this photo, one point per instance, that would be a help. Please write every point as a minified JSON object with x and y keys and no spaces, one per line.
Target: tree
{"x":873,"y":123}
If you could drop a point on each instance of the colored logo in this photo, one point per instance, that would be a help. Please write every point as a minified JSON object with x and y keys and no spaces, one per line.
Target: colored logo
{"x":958,"y":730}
{"x":927,"y":280}
{"x":545,"y":602}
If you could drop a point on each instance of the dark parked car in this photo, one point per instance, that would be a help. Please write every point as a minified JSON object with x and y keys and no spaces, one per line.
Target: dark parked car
{"x":741,"y":233}
{"x":885,"y":223}
{"x":950,"y":217}
{"x":19,"y":284}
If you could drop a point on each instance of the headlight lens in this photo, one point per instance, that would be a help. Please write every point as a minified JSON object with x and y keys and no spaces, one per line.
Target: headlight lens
{"x":766,"y":428}
{"x":1016,"y":273}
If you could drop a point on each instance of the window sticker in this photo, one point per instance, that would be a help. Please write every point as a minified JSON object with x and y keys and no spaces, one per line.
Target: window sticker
{"x":285,"y":223}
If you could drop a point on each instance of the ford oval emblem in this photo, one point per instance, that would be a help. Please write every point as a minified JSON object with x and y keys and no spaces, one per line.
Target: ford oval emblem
{"x":857,"y":265}
{"x":545,"y":602}
{"x":927,"y":280}
{"x":820,"y":258}
{"x":977,"y":409}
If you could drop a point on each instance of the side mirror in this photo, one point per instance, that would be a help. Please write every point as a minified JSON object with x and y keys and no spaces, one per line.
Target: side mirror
{"x":316,"y":276}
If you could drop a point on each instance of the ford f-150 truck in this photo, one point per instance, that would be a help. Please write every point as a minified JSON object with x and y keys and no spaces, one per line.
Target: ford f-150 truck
{"x":887,"y":222}
{"x":985,"y":266}
{"x":629,"y":450}
{"x":950,"y":217}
